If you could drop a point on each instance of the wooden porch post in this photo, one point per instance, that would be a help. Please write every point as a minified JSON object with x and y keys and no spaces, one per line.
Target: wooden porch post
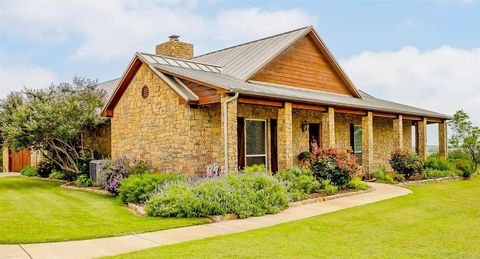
{"x":422,"y":139}
{"x":367,"y":141}
{"x":328,"y":123}
{"x":398,"y":132}
{"x":285,"y":137}
{"x":442,"y":140}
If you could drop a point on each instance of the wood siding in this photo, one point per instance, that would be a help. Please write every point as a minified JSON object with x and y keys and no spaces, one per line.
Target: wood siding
{"x":303,"y":65}
{"x":205,"y":94}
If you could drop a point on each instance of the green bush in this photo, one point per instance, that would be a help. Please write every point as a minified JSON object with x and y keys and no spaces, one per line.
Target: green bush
{"x":406,"y":163}
{"x":299,"y":182}
{"x":396,"y":177}
{"x":436,"y":163}
{"x":464,"y":166}
{"x":242,"y":194}
{"x":327,"y":188}
{"x":381,"y":175}
{"x":137,"y":188}
{"x":59,"y":175}
{"x":434,"y":173}
{"x":28,"y":171}
{"x":254,"y":169}
{"x":357,"y":184}
{"x":335,"y":165}
{"x":83,"y":180}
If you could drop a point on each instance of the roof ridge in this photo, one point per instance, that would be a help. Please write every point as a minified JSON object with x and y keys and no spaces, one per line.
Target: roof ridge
{"x":182,"y":59}
{"x":249,"y":42}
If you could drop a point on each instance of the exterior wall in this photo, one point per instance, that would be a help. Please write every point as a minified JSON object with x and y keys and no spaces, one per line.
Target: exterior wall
{"x":300,"y":138}
{"x":169,"y":135}
{"x":100,"y":140}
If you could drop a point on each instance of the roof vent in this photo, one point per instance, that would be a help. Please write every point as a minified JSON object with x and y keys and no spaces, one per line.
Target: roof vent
{"x":173,"y":37}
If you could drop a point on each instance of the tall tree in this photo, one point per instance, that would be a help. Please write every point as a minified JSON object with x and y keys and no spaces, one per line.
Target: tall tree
{"x":52,"y":120}
{"x":466,"y":137}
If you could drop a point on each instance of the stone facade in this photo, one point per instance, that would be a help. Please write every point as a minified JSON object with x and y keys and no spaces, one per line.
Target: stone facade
{"x":231,"y":116}
{"x":99,"y":140}
{"x":175,"y":48}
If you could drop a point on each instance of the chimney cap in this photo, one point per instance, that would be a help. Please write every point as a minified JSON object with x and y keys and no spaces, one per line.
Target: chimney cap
{"x":173,"y":37}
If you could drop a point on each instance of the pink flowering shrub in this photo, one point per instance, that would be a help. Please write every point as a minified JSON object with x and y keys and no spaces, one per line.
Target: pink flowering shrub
{"x":336,"y":165}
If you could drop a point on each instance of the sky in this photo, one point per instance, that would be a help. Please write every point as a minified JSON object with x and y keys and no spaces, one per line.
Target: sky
{"x":424,"y":53}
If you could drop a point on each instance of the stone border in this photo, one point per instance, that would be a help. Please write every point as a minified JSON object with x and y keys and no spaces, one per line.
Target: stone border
{"x":68,"y":185}
{"x":329,"y":197}
{"x":137,"y":209}
{"x":434,"y":180}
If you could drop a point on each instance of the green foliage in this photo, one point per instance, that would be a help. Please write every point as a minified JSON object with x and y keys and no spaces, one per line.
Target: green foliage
{"x":51,"y":120}
{"x":254,"y":169}
{"x":406,"y":163}
{"x":138,"y":187}
{"x":28,"y":171}
{"x":396,"y":177}
{"x":335,"y":165}
{"x":464,"y":166}
{"x":327,"y":188}
{"x":357,"y":184}
{"x":251,"y":194}
{"x":83,"y":180}
{"x":466,"y":137}
{"x":437,"y":163}
{"x":435,"y":173}
{"x":139,"y":167}
{"x":381,"y":175}
{"x":59,"y":175}
{"x":299,"y":182}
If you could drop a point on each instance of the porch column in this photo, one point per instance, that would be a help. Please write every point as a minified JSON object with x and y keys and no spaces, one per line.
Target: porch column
{"x":328,"y":131}
{"x":367,"y":141}
{"x":398,"y":132}
{"x":285,"y":137}
{"x":231,"y":134}
{"x":422,"y":139}
{"x":6,"y":158}
{"x":442,"y":139}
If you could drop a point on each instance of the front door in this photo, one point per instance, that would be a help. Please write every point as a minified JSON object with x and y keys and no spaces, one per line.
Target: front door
{"x":314,"y":130}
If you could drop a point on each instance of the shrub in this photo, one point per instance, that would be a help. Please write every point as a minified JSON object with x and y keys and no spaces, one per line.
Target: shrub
{"x":357,"y":184}
{"x":437,"y":163}
{"x":137,"y":188}
{"x":28,"y":171}
{"x":138,"y":167}
{"x":406,"y":163}
{"x":254,"y":169}
{"x":328,"y":188}
{"x":298,"y":182}
{"x":335,"y":165}
{"x":381,"y":175}
{"x":305,"y":158}
{"x":83,"y":180}
{"x":59,"y":175}
{"x":112,"y":173}
{"x":396,"y":177}
{"x":464,"y":166}
{"x":252,"y":194}
{"x":434,"y":173}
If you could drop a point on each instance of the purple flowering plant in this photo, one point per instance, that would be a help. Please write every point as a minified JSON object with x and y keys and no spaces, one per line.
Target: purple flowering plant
{"x":112,"y":173}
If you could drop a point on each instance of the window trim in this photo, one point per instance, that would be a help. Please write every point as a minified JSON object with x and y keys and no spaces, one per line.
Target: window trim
{"x":352,"y":140}
{"x":265,"y":138}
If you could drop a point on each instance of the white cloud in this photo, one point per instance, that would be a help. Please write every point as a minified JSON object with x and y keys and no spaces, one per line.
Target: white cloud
{"x":110,"y":30}
{"x":14,"y":77}
{"x":445,"y":79}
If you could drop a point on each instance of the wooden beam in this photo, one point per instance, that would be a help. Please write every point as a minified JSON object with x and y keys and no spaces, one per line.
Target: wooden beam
{"x":350,"y":111}
{"x":434,"y":120}
{"x":412,"y":118}
{"x":385,"y":115}
{"x":265,"y":102}
{"x":309,"y":107}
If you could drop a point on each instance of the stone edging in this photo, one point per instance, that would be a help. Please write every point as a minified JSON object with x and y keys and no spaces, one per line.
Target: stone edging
{"x":68,"y":185}
{"x":137,"y":209}
{"x":330,"y":197}
{"x":435,"y":180}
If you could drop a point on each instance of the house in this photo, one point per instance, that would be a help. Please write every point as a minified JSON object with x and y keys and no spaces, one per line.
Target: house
{"x":261,"y":102}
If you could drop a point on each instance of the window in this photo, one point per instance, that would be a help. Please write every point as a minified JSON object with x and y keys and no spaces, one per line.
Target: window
{"x":255,"y":142}
{"x":356,"y":142}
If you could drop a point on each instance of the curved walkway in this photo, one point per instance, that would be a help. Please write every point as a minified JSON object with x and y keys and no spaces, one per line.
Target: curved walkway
{"x":123,"y":244}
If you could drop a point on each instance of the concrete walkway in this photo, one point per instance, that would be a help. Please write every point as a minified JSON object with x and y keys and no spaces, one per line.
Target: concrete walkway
{"x":117,"y":245}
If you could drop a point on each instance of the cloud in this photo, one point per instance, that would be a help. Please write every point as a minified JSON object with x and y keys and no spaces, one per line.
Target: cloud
{"x":14,"y":77}
{"x":445,"y":79}
{"x":110,"y":30}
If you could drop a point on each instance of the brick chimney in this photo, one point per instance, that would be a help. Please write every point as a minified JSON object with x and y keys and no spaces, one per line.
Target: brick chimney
{"x":175,"y":48}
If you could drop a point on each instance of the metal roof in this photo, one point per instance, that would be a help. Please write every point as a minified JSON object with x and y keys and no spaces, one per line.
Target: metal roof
{"x":243,"y":60}
{"x":177,"y":62}
{"x":109,"y":87}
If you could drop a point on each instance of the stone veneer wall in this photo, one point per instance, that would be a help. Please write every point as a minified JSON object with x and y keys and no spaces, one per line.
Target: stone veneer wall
{"x":100,"y":139}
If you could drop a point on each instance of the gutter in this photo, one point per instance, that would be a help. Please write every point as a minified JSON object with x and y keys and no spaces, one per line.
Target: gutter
{"x":225,"y":129}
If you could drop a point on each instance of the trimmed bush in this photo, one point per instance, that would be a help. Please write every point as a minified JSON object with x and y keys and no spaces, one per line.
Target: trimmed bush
{"x":381,"y":175}
{"x":357,"y":184}
{"x":28,"y":171}
{"x":59,"y":175}
{"x":434,"y":173}
{"x":406,"y":163}
{"x":83,"y":180}
{"x":137,"y":188}
{"x":328,"y":188}
{"x":254,"y":169}
{"x":251,"y":194}
{"x":436,"y":163}
{"x":335,"y":165}
{"x":113,"y":172}
{"x":299,"y":182}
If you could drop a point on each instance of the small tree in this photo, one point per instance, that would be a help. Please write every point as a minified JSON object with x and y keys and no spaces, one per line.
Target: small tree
{"x":52,"y":120}
{"x":466,"y":137}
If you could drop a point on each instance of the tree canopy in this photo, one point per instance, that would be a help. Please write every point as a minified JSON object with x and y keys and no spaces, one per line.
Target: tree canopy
{"x":466,"y":137}
{"x":52,"y":120}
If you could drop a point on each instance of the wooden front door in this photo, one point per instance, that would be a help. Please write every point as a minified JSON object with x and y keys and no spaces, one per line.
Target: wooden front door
{"x":18,"y":160}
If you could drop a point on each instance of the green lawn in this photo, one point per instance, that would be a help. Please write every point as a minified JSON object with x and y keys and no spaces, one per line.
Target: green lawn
{"x":40,"y":211}
{"x":437,"y":221}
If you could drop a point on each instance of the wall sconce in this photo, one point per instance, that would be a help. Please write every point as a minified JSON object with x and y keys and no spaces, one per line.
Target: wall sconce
{"x":304,"y":125}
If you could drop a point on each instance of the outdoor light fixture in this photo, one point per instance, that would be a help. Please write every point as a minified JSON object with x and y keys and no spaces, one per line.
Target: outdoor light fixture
{"x":304,"y":125}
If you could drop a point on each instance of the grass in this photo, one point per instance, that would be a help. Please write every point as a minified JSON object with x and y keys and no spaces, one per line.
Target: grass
{"x":438,"y":221}
{"x":34,"y":210}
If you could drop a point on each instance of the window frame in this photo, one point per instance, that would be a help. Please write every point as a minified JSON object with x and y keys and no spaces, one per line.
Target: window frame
{"x":352,"y":144}
{"x":265,"y":138}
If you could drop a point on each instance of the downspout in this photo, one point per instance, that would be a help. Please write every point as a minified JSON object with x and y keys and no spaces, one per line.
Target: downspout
{"x":225,"y":129}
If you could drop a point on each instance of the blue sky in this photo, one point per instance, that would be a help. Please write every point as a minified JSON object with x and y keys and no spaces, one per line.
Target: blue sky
{"x":422,"y":53}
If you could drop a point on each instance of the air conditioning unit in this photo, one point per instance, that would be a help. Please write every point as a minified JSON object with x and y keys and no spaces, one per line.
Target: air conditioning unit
{"x":94,"y":169}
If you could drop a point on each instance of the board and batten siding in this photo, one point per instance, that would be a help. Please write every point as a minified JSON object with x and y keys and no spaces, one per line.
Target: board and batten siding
{"x":303,"y":65}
